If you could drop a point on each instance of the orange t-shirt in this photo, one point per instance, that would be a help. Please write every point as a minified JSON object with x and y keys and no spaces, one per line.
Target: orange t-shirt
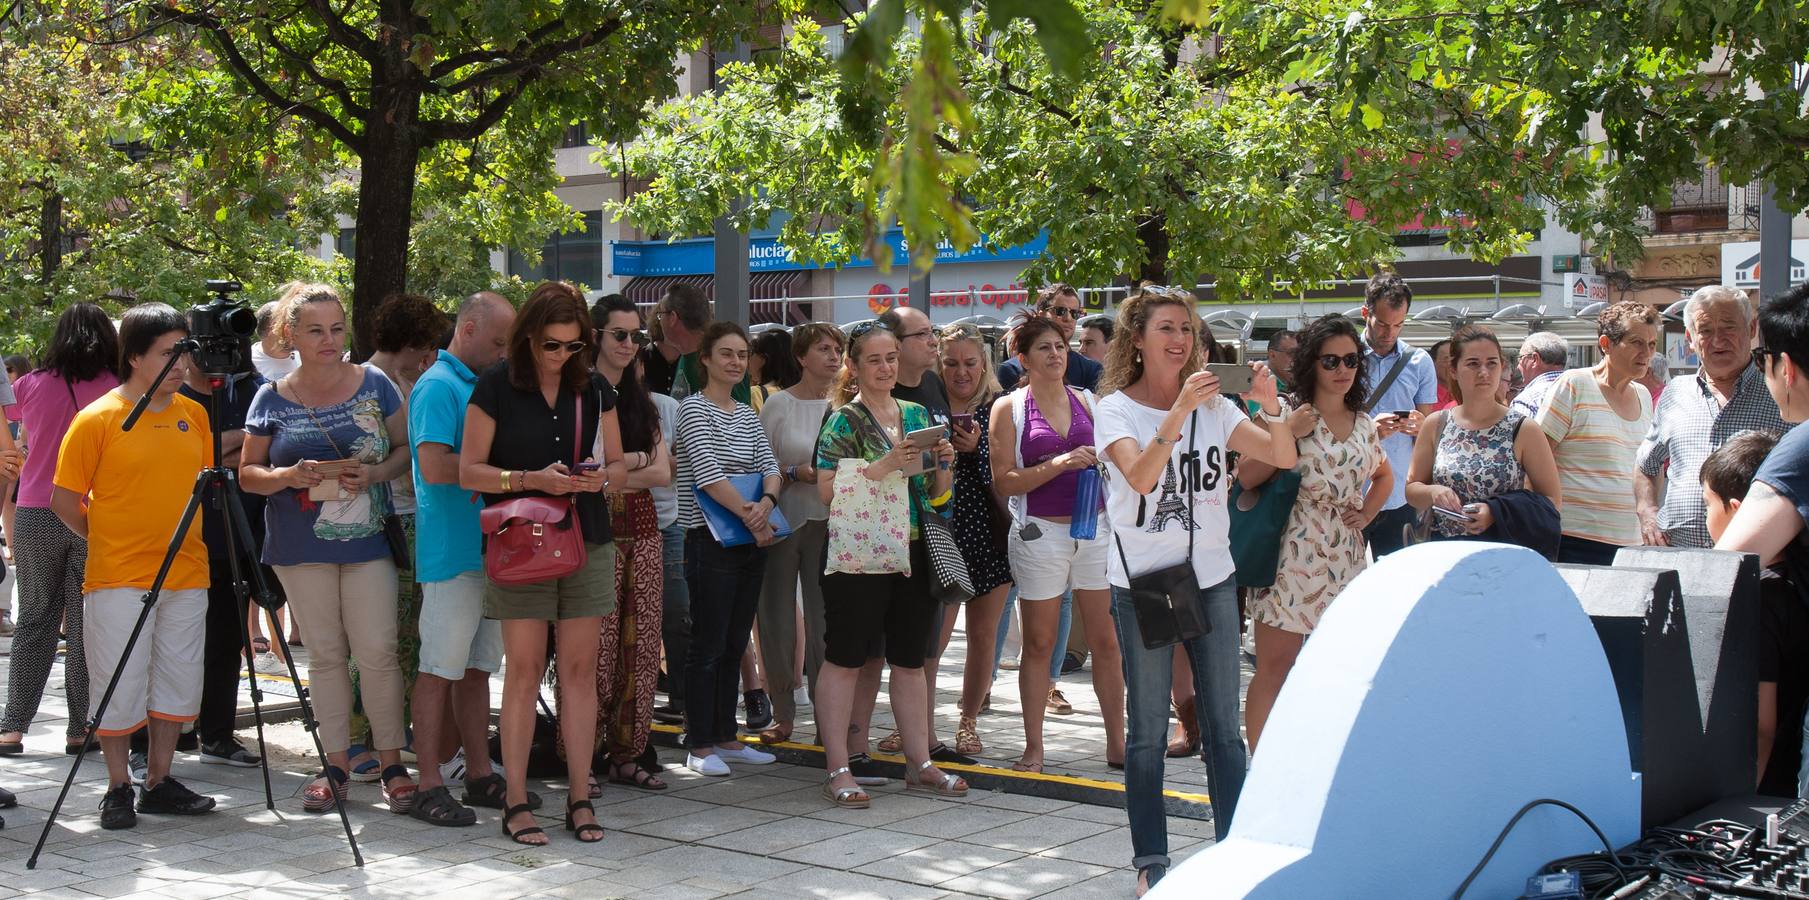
{"x":137,"y":483}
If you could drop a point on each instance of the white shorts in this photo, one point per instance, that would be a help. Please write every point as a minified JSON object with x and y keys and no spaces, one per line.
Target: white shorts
{"x":1054,"y":563}
{"x":455,"y":636}
{"x":162,"y":679}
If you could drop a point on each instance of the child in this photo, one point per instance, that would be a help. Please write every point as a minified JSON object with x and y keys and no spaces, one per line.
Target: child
{"x":1784,"y":620}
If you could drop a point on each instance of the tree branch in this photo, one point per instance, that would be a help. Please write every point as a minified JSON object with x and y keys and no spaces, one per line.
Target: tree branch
{"x":527,"y":65}
{"x":437,"y":130}
{"x":1048,"y":107}
{"x":452,"y":64}
{"x":342,"y":33}
{"x":242,"y":67}
{"x":339,"y":88}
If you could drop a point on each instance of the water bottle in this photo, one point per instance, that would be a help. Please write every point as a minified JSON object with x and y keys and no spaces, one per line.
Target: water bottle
{"x":1084,"y":524}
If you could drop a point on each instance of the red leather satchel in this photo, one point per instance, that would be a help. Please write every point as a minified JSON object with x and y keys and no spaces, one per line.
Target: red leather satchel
{"x":533,"y":539}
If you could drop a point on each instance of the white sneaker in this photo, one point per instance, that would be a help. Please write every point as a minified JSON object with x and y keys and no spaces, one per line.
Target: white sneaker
{"x":268,"y":664}
{"x":746,"y":755}
{"x":800,"y":697}
{"x":452,"y":771}
{"x":707,"y":765}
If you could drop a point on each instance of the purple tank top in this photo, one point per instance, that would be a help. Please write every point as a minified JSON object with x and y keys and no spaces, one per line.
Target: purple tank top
{"x":1040,"y":443}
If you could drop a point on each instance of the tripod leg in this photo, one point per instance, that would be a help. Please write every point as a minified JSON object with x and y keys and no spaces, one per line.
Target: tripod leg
{"x":242,"y":527}
{"x":144,"y":615}
{"x":241,"y":591}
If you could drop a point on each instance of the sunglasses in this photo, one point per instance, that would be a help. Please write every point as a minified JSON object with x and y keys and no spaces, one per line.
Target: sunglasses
{"x":1760,"y":355}
{"x":1330,"y":361}
{"x":865,"y":327}
{"x":567,"y":346}
{"x":639,"y":338}
{"x":1063,"y":312}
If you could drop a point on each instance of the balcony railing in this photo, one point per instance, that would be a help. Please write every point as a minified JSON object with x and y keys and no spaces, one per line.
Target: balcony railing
{"x":1706,"y":204}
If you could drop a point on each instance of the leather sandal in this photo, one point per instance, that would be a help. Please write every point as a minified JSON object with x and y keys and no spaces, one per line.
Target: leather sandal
{"x":967,"y":736}
{"x":401,"y":798}
{"x":891,"y":743}
{"x":585,"y":831}
{"x":1187,"y":737}
{"x":845,"y":798}
{"x":775,"y":734}
{"x":517,"y":836}
{"x":948,"y":786}
{"x":632,"y":773}
{"x":319,"y":795}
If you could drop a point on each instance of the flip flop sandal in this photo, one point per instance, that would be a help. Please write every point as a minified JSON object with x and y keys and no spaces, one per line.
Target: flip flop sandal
{"x":641,"y":777}
{"x":517,"y":836}
{"x":948,"y":786}
{"x":584,"y":832}
{"x":318,"y":796}
{"x":435,"y":806}
{"x":1032,"y":768}
{"x":491,"y":792}
{"x":401,"y":798}
{"x":845,"y":798}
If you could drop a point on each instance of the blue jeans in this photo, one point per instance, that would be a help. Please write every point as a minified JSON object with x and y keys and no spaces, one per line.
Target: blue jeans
{"x":675,"y":607}
{"x":1217,"y":679}
{"x":1061,"y":634}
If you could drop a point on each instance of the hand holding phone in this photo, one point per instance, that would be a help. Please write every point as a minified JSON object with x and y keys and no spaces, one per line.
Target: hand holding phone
{"x":587,"y":467}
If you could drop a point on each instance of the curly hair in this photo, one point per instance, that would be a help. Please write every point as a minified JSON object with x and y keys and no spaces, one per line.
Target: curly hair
{"x":1124,"y":364}
{"x":1619,"y":317}
{"x":408,"y":322}
{"x":1305,"y":376}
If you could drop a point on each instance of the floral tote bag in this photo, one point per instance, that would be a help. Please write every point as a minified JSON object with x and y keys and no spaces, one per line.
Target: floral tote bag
{"x":869,"y":523}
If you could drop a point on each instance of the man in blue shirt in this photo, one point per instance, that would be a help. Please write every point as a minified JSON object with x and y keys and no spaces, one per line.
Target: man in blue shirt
{"x":460,"y":649}
{"x":1061,"y":303}
{"x":1404,"y":400}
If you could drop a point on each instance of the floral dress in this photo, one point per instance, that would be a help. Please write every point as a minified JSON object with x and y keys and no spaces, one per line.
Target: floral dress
{"x":1476,"y":463}
{"x":1319,"y":553}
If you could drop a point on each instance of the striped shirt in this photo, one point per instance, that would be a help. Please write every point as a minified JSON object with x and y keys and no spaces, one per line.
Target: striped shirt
{"x":714,"y":443}
{"x":1689,"y":425}
{"x":1594,"y":448}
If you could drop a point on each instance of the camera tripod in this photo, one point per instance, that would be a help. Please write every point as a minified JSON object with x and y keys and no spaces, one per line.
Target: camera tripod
{"x":240,"y":555}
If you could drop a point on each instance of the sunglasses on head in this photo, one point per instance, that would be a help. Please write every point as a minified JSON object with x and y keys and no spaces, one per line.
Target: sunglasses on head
{"x":639,"y":338}
{"x":567,"y":346}
{"x":865,"y":327}
{"x":1330,"y":361}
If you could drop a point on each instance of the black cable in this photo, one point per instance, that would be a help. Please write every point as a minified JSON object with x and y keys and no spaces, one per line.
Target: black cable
{"x":1506,"y":830}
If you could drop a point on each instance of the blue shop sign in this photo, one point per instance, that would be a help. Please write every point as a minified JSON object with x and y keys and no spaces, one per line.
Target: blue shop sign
{"x":697,"y":256}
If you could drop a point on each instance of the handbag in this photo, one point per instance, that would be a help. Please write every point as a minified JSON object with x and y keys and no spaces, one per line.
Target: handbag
{"x":949,"y":579}
{"x":869,"y":523}
{"x":534,"y":539}
{"x":1167,"y":600}
{"x":1259,"y":519}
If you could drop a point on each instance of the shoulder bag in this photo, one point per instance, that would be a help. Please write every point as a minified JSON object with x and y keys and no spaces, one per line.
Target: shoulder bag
{"x":869,"y":522}
{"x":1167,"y":601}
{"x":1259,"y":519}
{"x":534,"y":539}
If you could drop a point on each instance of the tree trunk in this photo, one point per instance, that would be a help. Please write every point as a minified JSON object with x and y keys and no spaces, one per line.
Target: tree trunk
{"x":386,"y":192}
{"x":1154,"y":235}
{"x":50,"y":234}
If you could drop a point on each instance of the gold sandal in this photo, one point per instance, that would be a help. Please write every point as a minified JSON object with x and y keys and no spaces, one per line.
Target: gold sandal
{"x":949,"y":786}
{"x":845,"y":798}
{"x":967,"y":737}
{"x":891,"y":743}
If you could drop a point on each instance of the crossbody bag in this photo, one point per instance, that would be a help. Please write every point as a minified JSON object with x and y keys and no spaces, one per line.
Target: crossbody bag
{"x":1167,"y":600}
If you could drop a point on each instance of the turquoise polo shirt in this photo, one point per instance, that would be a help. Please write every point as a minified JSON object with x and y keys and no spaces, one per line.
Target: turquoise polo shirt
{"x":448,"y":541}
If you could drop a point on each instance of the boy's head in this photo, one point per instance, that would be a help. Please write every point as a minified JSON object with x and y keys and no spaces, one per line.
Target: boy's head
{"x":1728,"y":471}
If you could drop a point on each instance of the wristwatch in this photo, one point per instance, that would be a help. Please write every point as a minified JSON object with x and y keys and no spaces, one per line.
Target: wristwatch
{"x":1267,"y":416}
{"x":769,"y":496}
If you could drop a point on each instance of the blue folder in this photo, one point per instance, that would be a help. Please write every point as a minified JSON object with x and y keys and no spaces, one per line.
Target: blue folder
{"x":726,"y":526}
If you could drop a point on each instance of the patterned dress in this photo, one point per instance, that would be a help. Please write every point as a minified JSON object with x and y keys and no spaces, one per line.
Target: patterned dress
{"x":980,"y":531}
{"x":1319,"y":553}
{"x":1476,"y":463}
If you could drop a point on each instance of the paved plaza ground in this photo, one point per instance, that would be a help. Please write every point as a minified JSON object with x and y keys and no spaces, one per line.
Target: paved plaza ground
{"x":763,"y":832}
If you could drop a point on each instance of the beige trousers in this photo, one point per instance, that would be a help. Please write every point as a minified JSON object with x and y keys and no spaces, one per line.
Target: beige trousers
{"x":346,"y":610}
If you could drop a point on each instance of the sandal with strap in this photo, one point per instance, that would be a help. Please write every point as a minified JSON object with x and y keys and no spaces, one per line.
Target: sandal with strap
{"x":401,"y":798}
{"x":517,"y":836}
{"x":435,"y":806}
{"x":948,"y":786}
{"x":1148,"y":876}
{"x":891,"y":743}
{"x":584,"y":832}
{"x":775,"y":734}
{"x":633,"y":774}
{"x":491,"y":792}
{"x":848,"y":797}
{"x":318,"y":796}
{"x":967,"y":736}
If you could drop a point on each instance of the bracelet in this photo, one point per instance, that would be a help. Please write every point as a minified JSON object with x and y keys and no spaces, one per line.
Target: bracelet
{"x":945,"y":497}
{"x":1162,"y":441}
{"x":505,"y":481}
{"x":769,"y":496}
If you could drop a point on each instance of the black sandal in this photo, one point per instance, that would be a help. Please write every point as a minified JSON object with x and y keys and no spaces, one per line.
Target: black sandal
{"x":491,"y":792}
{"x":517,"y":836}
{"x":633,"y":774}
{"x":1152,"y":873}
{"x":435,"y":806}
{"x":583,"y":831}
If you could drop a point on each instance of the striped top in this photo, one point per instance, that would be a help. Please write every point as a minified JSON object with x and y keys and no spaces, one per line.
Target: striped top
{"x":1594,"y":448}
{"x":713,"y":444}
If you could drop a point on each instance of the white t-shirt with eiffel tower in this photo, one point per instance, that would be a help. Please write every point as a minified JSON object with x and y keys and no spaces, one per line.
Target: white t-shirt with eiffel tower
{"x":1155,"y":528}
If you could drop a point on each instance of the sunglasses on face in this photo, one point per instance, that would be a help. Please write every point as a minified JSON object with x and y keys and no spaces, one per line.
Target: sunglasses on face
{"x":622,"y":334}
{"x":567,"y":346}
{"x":1330,"y":361}
{"x":1063,"y":312}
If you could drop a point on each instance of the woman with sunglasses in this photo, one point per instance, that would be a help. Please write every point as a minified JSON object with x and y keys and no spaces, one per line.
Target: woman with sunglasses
{"x":628,"y":647}
{"x":520,"y":427}
{"x":1322,"y":548}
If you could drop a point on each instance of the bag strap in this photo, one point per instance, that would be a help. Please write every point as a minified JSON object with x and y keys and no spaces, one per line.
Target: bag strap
{"x":1387,"y":382}
{"x":1193,"y":431}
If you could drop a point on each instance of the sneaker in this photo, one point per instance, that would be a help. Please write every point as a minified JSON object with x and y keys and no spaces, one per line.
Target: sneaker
{"x":800,"y":698}
{"x":228,"y":753}
{"x":116,"y":808}
{"x":1058,"y":704}
{"x":711,"y":765}
{"x":138,"y":765}
{"x":269,"y":664}
{"x":866,"y":772}
{"x":188,"y":742}
{"x":1071,"y":662}
{"x":452,"y":771}
{"x":6,"y":623}
{"x":747,"y":755}
{"x":170,"y":798}
{"x":759,"y":709}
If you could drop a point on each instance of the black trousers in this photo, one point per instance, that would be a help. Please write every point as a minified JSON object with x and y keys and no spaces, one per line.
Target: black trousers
{"x":725,"y":587}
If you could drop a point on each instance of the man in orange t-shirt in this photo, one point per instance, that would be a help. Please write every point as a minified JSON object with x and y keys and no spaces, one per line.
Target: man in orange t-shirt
{"x":124,"y":492}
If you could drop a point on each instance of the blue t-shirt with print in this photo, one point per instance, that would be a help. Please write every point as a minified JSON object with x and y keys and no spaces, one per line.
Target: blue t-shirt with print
{"x":299,"y":530}
{"x":448,"y":539}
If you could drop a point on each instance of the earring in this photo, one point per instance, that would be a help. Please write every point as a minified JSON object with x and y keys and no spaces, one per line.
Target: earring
{"x":1139,"y":358}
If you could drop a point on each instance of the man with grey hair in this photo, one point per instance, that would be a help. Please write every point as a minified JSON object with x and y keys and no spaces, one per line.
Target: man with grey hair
{"x":1543,"y":357}
{"x":1696,"y":414}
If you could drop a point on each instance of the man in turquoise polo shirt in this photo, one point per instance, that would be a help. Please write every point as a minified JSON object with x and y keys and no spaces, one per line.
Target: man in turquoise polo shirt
{"x":460,"y":649}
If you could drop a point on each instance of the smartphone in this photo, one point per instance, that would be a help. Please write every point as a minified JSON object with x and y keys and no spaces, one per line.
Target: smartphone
{"x":585,"y":468}
{"x":963,"y":421}
{"x":1234,"y":378}
{"x":1453,"y":515}
{"x":1403,"y":413}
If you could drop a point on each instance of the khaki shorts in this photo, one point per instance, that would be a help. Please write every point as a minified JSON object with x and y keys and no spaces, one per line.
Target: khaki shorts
{"x":587,"y":593}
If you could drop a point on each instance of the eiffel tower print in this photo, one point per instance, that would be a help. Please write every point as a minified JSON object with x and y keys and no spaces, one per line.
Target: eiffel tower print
{"x":1170,"y":505}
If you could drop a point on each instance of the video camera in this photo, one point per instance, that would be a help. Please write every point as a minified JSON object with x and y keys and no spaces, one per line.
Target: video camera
{"x":219,"y":328}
